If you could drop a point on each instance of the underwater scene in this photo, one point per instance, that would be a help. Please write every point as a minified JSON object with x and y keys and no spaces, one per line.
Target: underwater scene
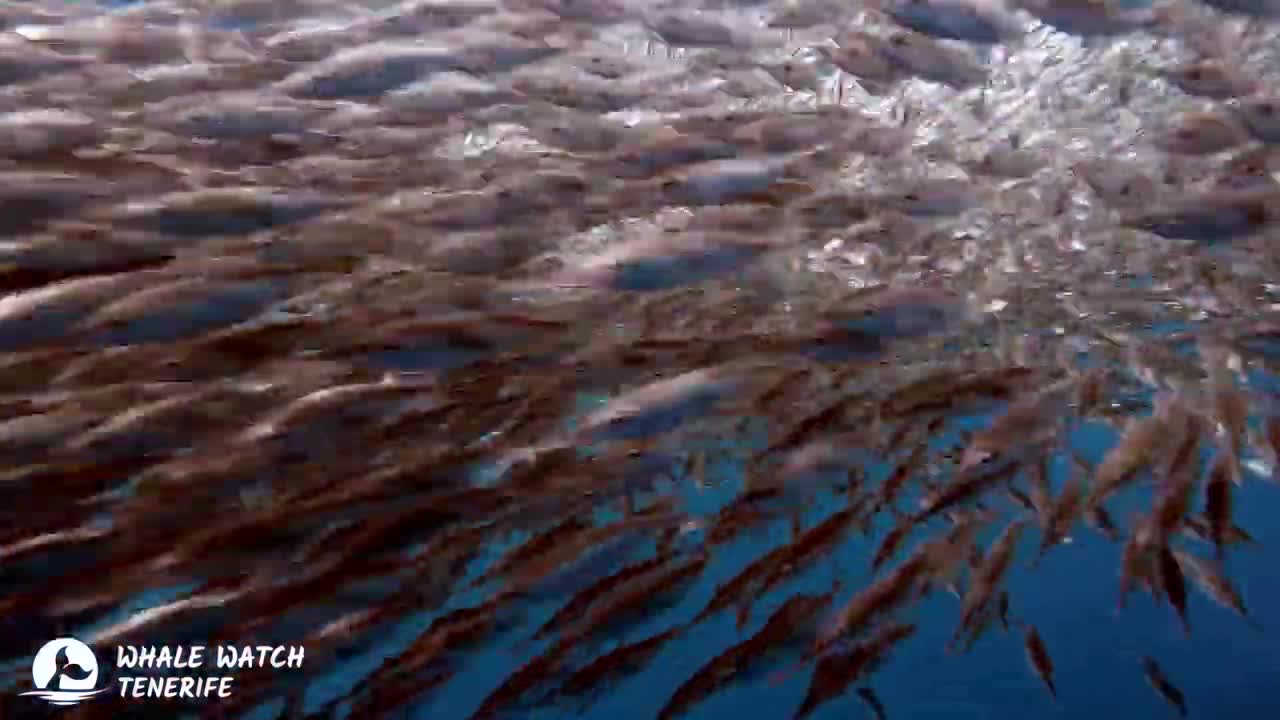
{"x":639,"y":359}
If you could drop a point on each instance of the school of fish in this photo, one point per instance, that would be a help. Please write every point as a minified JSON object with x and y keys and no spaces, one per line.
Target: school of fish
{"x":317,"y":317}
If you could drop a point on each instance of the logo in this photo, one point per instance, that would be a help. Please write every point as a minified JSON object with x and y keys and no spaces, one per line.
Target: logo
{"x":65,"y":672}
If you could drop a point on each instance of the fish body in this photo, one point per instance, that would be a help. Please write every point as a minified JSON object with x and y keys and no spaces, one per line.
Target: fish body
{"x":837,"y":671}
{"x":923,"y":57}
{"x":1160,"y":682}
{"x":1260,"y":116}
{"x":1212,"y":79}
{"x":1038,"y":656}
{"x":1219,"y":216}
{"x":1203,"y":134}
{"x":902,"y":312}
{"x":967,"y":20}
{"x":1262,"y":9}
{"x":658,"y":407}
{"x":1090,"y":18}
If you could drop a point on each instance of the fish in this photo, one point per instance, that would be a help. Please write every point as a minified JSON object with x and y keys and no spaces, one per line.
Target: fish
{"x":930,"y":198}
{"x":967,"y":20}
{"x":1136,"y":449}
{"x":29,"y":200}
{"x":747,"y":658}
{"x":1174,"y":585}
{"x":537,"y":545}
{"x":1214,"y":584}
{"x":1064,"y":514}
{"x":881,"y":597}
{"x":666,"y":150}
{"x":891,"y":542}
{"x":222,"y":211}
{"x":573,"y":610}
{"x":669,"y":261}
{"x":1160,"y":682}
{"x":368,"y":71}
{"x":872,"y":701}
{"x":1100,"y":518}
{"x":616,"y":664}
{"x":1090,"y":18}
{"x":1026,"y":421}
{"x":642,"y":595}
{"x":1202,"y":134}
{"x":1217,"y":216}
{"x":902,"y":312}
{"x":1038,"y":657}
{"x":716,"y":182}
{"x":581,"y":572}
{"x":920,"y":56}
{"x":798,"y":15}
{"x":1136,"y":559}
{"x":1173,"y":499}
{"x":862,"y":56}
{"x":1117,"y":183}
{"x":1260,"y":117}
{"x":354,"y":312}
{"x":935,"y":557}
{"x":1210,"y":78}
{"x":795,"y":74}
{"x":1263,"y":9}
{"x":987,"y":576}
{"x":181,"y":309}
{"x":692,"y":30}
{"x":837,"y":671}
{"x":538,"y":672}
{"x":659,"y":406}
{"x":1218,"y":501}
{"x":805,"y":550}
{"x":33,"y":133}
{"x":1196,"y":526}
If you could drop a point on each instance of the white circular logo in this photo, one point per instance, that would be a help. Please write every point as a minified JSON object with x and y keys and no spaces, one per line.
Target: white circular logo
{"x":65,"y":671}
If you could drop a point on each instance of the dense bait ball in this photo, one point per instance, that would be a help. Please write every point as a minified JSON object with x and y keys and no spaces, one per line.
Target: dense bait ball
{"x":636,"y":356}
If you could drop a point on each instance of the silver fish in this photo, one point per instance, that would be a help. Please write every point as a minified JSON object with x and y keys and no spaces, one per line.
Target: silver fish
{"x":969,"y":20}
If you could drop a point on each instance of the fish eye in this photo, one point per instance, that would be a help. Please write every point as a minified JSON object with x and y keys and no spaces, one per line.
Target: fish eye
{"x":899,"y":40}
{"x":911,"y":197}
{"x":1267,"y":109}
